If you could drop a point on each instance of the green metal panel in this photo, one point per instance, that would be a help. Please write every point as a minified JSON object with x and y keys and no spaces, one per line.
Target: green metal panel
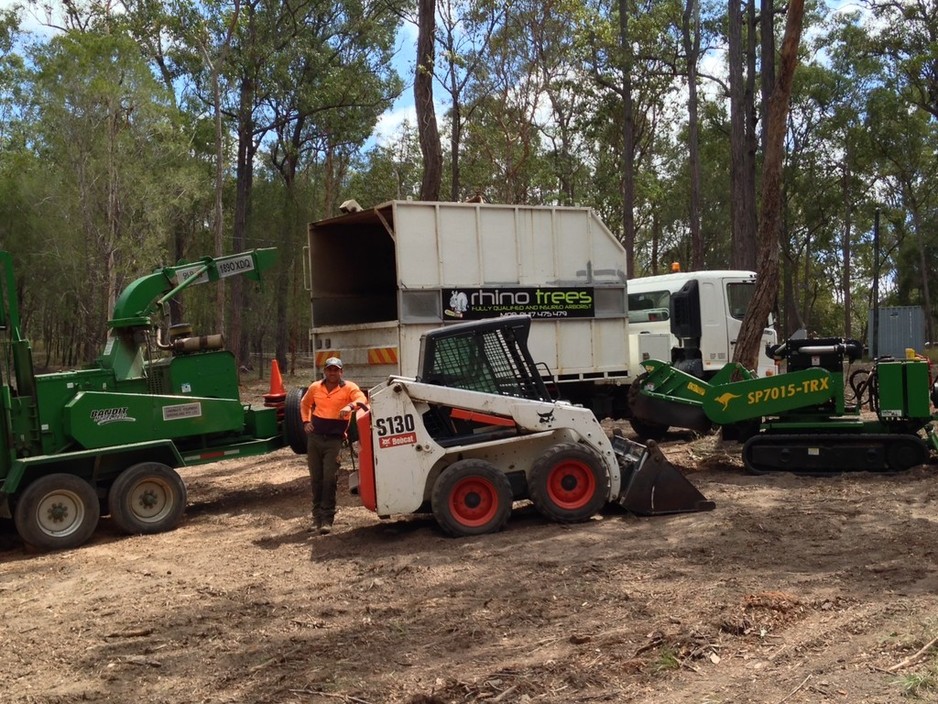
{"x":261,"y":422}
{"x":209,"y":374}
{"x":96,"y":419}
{"x":903,"y":389}
{"x":53,"y":392}
{"x":769,"y":396}
{"x":725,"y":402}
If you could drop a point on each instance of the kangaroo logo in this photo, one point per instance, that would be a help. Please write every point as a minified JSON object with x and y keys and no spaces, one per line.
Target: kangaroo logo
{"x":725,"y":399}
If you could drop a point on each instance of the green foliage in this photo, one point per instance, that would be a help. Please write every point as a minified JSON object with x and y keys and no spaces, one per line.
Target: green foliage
{"x":107,"y":142}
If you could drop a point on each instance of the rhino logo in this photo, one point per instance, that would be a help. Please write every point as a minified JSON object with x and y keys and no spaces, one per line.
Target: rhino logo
{"x":458,"y":304}
{"x":725,"y":399}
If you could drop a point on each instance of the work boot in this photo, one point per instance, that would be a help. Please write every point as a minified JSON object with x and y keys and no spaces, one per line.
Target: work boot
{"x":325,"y":529}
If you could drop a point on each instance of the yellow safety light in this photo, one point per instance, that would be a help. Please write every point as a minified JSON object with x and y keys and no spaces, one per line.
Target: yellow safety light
{"x":675,"y":267}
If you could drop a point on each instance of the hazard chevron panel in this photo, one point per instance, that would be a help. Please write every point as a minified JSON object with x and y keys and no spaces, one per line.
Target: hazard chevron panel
{"x":382,"y":355}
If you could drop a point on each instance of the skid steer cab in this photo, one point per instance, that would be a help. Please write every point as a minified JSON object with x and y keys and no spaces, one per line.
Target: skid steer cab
{"x":478,"y":430}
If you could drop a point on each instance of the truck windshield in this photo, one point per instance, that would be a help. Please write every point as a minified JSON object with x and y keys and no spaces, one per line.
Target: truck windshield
{"x":649,"y":306}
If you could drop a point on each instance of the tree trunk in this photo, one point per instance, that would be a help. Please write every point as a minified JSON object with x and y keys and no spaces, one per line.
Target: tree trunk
{"x":691,"y":37}
{"x":847,"y":235}
{"x":427,"y":130}
{"x":750,"y":336}
{"x":922,"y":265}
{"x":218,"y":222}
{"x":628,"y":140}
{"x":737,"y":131}
{"x":749,"y":242}
{"x":244,"y":182}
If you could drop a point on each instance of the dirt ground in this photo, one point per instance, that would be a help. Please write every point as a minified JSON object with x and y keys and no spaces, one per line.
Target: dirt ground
{"x":793,"y":590}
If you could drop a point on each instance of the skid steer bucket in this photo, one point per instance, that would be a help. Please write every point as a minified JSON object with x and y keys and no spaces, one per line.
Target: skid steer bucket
{"x":657,"y":487}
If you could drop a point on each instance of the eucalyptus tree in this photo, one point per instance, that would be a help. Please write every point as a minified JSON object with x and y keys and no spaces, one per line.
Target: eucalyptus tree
{"x":427,"y":128}
{"x":841,"y":94}
{"x":329,"y":87}
{"x":763,"y":300}
{"x":12,"y":139}
{"x":906,"y":33}
{"x":113,"y":165}
{"x":630,"y":50}
{"x":464,"y":29}
{"x":565,"y":103}
{"x":387,"y":171}
{"x":741,"y":32}
{"x":691,"y":42}
{"x":906,"y":142}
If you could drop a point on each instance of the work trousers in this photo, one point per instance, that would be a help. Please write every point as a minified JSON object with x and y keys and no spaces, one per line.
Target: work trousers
{"x":322,"y":457}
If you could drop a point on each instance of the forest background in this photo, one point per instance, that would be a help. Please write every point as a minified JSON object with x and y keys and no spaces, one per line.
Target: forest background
{"x":138,"y":133}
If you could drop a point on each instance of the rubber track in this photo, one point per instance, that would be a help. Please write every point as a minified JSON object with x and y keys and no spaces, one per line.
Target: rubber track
{"x":833,"y":445}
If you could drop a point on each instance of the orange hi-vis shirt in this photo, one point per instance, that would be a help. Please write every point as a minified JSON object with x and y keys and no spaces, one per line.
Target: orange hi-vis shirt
{"x":321,"y":406}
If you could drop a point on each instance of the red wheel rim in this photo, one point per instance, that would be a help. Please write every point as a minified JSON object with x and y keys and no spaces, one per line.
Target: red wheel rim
{"x":571,"y":485}
{"x":473,"y":501}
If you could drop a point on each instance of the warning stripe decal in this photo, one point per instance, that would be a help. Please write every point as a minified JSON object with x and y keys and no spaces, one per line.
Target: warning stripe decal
{"x":382,"y":355}
{"x":323,"y":355}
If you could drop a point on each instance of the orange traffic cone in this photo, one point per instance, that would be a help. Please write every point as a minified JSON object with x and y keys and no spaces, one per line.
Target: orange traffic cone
{"x":277,"y":396}
{"x":276,"y":381}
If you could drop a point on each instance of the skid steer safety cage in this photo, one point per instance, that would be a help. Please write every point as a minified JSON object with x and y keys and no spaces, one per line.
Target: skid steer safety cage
{"x":492,"y":358}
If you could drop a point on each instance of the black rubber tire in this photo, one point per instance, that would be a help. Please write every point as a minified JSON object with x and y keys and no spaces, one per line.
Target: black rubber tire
{"x":471,"y":497}
{"x":57,"y":512}
{"x":294,"y":434}
{"x":149,"y":497}
{"x":568,"y":484}
{"x":645,"y":429}
{"x":648,"y":430}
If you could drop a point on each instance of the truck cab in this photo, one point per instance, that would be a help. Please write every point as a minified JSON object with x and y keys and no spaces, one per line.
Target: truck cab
{"x":703,"y":312}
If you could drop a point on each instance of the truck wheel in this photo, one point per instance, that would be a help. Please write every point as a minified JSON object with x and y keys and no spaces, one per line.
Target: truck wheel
{"x":57,"y":512}
{"x":149,"y":497}
{"x":293,"y":421}
{"x":471,"y":497}
{"x":568,"y":483}
{"x":648,"y":430}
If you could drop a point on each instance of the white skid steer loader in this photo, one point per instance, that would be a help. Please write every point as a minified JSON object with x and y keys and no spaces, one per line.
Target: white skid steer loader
{"x":478,"y":431}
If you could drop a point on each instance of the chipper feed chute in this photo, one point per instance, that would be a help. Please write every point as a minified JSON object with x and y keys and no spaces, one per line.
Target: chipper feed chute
{"x":652,"y":485}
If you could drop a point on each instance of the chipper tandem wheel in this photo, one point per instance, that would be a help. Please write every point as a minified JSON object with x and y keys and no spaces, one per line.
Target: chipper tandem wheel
{"x":57,"y":512}
{"x":149,"y":497}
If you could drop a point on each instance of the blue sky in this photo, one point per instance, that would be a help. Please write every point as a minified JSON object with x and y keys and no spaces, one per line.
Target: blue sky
{"x":405,"y":57}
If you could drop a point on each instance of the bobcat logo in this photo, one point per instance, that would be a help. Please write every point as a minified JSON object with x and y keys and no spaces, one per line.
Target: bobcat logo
{"x":546,"y":417}
{"x":725,"y":399}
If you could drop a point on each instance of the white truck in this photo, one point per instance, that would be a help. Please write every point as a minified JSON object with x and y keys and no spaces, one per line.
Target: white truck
{"x":381,"y":277}
{"x":702,"y":312}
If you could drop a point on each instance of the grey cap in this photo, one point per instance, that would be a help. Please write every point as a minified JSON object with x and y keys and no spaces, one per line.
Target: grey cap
{"x":333,"y":362}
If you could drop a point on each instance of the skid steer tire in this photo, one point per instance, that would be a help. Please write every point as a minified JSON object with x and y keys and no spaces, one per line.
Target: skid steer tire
{"x":295,"y":435}
{"x":57,"y":512}
{"x":471,"y":497}
{"x":568,"y":484}
{"x":149,"y":497}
